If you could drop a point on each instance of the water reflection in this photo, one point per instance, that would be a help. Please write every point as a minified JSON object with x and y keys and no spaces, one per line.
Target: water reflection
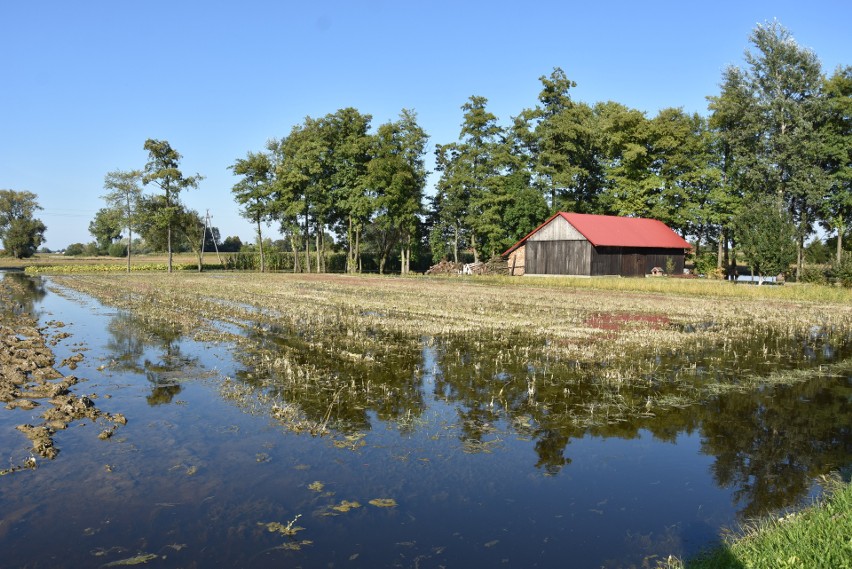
{"x":496,"y":453}
{"x":23,"y":293}
{"x":769,"y":443}
{"x":150,"y":349}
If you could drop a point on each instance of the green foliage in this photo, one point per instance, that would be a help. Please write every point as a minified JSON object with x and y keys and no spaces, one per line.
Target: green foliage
{"x":817,"y":536}
{"x":814,"y":274}
{"x":843,"y":270}
{"x":20,"y":232}
{"x":254,"y":191}
{"x":112,"y":268}
{"x":837,"y":153}
{"x":817,"y":252}
{"x":766,"y":236}
{"x":705,"y":263}
{"x":106,"y":227}
{"x":162,"y":170}
{"x":280,"y":261}
{"x":123,"y":196}
{"x":117,"y":250}
{"x":231,"y":244}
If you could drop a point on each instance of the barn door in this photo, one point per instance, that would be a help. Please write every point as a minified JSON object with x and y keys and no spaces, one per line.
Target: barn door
{"x":632,"y":264}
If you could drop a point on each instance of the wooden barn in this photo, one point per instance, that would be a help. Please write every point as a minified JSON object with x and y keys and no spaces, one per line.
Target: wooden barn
{"x":586,"y":245}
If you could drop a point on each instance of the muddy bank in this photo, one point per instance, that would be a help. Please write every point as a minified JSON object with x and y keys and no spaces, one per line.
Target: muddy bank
{"x":29,"y":379}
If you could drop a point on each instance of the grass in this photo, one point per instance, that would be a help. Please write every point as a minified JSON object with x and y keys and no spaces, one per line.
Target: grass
{"x":816,"y":537}
{"x":60,"y":264}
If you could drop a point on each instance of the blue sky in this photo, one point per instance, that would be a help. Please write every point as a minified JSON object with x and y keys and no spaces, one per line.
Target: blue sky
{"x":84,"y":84}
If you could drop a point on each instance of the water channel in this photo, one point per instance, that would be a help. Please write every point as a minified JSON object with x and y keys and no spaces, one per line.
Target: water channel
{"x":199,"y":478}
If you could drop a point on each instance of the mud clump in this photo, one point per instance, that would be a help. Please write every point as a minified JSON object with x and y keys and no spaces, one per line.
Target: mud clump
{"x":29,"y":380}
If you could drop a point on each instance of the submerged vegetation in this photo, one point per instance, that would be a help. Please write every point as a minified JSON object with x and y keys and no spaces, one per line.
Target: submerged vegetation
{"x":452,"y":379}
{"x":327,"y":354}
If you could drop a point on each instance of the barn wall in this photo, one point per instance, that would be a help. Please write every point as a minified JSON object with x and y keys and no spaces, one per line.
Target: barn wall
{"x":557,"y":230}
{"x":517,"y":261}
{"x":605,"y":261}
{"x":633,"y":261}
{"x":564,"y":257}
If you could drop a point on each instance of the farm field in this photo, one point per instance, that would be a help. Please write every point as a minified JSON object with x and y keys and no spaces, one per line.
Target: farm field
{"x":339,"y":420}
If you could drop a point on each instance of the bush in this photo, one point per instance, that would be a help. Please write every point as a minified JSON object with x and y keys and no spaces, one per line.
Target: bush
{"x":843,"y":271}
{"x":117,"y":250}
{"x":814,"y":274}
{"x":705,"y":263}
{"x":75,"y":249}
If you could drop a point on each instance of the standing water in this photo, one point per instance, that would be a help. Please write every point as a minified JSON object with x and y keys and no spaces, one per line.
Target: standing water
{"x":212,"y":469}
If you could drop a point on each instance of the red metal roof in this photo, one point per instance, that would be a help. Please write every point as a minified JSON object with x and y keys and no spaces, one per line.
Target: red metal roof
{"x":613,"y":231}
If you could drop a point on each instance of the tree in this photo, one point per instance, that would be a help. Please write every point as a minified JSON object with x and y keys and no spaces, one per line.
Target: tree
{"x":162,"y":170}
{"x":105,"y":228}
{"x":837,"y":130}
{"x":563,"y":143}
{"x":231,"y":244}
{"x":191,"y":229}
{"x":123,"y":197}
{"x":21,"y":233}
{"x":470,"y":193}
{"x":254,"y":192}
{"x":782,"y":106}
{"x":767,"y":236}
{"x":298,"y":187}
{"x":397,"y":176}
{"x":347,"y":154}
{"x":734,"y":129}
{"x":75,"y":249}
{"x":152,"y":222}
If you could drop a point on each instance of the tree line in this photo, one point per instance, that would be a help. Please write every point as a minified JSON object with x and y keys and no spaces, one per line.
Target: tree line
{"x":768,"y":166}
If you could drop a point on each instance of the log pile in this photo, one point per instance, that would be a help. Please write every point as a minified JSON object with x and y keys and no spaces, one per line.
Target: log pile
{"x":494,"y":266}
{"x":445,"y":268}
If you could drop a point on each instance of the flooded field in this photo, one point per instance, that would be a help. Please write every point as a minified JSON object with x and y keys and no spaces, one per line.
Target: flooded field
{"x":276,"y":421}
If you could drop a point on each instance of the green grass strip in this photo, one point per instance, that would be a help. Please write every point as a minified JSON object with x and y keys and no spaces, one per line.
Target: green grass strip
{"x":819,"y":536}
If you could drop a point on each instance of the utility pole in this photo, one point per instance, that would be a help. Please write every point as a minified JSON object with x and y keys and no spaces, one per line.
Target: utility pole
{"x":204,"y":236}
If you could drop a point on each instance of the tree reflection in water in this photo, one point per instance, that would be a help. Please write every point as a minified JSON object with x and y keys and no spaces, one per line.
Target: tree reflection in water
{"x":152,"y":350}
{"x":24,"y":292}
{"x":769,"y":443}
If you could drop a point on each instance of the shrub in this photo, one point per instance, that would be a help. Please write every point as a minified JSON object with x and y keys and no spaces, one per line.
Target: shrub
{"x":843,"y":270}
{"x":75,"y":249}
{"x":117,"y":250}
{"x":705,"y":263}
{"x":815,"y":274}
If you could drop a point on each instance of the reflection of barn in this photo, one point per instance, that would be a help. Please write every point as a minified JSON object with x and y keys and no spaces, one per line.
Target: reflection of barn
{"x":597,"y":245}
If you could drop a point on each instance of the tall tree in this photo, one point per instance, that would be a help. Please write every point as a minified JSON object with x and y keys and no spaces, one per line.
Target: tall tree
{"x":300,"y":188}
{"x":397,"y":176}
{"x":123,"y":196}
{"x":254,"y":192}
{"x":347,"y":154}
{"x":837,"y":130}
{"x":450,"y":203}
{"x":162,"y":169}
{"x":627,"y":159}
{"x":785,"y":81}
{"x":478,"y":170}
{"x":735,"y":140}
{"x":563,"y":141}
{"x":21,"y":233}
